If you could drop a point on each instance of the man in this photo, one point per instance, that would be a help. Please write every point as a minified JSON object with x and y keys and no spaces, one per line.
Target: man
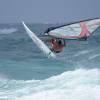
{"x":57,"y":45}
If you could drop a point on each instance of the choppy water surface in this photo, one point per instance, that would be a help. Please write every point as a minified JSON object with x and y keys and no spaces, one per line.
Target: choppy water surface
{"x":26,"y":74}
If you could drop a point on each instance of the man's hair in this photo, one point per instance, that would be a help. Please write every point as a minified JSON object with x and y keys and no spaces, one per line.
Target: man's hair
{"x":60,"y":42}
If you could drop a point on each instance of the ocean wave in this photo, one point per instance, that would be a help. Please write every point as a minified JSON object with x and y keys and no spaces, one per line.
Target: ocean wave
{"x":7,"y":30}
{"x":94,"y":56}
{"x":83,"y":52}
{"x":71,"y":85}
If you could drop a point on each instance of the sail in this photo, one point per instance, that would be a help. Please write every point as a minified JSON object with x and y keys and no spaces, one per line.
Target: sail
{"x":75,"y":30}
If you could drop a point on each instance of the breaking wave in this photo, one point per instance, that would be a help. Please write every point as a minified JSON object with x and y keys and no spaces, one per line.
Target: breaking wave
{"x":80,"y":84}
{"x":7,"y":30}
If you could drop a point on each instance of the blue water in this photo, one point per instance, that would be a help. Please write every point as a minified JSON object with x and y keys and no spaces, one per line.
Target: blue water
{"x":27,"y":74}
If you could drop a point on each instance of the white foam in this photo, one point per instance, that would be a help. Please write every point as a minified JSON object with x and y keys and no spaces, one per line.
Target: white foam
{"x":78,"y":93}
{"x":7,"y":30}
{"x":71,"y":85}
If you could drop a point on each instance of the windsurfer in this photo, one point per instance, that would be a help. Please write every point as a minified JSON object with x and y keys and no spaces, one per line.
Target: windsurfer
{"x":57,"y":45}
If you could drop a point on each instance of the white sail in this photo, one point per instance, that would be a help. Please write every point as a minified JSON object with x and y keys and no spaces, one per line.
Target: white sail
{"x":75,"y":30}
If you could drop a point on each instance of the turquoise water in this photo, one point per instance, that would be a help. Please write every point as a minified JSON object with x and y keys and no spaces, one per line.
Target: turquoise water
{"x":27,"y":74}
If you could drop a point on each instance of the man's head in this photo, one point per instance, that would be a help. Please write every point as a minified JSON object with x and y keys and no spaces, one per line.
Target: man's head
{"x":59,"y":42}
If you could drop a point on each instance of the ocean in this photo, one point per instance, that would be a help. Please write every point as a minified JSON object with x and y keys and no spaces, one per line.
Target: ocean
{"x":27,"y":74}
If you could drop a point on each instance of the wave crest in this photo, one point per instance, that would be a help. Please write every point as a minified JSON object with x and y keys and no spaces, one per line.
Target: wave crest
{"x":72,"y":85}
{"x":7,"y":30}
